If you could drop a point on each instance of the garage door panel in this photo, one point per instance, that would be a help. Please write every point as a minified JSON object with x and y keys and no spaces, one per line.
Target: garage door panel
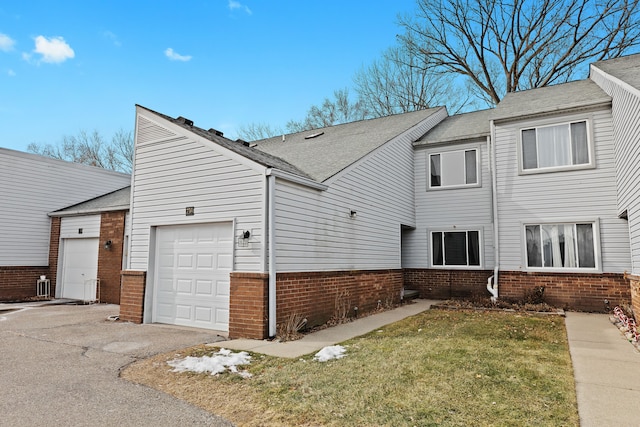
{"x":193,"y":275}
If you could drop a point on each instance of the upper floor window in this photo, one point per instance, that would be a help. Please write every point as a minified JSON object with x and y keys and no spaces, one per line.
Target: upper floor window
{"x":455,"y":248}
{"x":561,"y":246}
{"x":453,"y":169}
{"x":557,"y":146}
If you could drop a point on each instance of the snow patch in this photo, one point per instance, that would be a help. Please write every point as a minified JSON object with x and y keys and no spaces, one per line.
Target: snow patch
{"x":330,"y":352}
{"x":217,"y":363}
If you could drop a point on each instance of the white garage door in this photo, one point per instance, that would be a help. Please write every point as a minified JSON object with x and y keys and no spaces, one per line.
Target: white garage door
{"x":193,"y":263}
{"x":79,"y":269}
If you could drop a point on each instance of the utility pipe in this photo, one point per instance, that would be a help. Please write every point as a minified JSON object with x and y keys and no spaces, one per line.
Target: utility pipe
{"x":492,"y":282}
{"x":271,"y":183}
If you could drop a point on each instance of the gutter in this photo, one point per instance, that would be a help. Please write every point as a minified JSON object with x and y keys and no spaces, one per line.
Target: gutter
{"x":492,"y":282}
{"x":271,"y":233}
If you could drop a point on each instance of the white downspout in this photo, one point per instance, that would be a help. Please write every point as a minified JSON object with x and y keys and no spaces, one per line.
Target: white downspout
{"x":271,"y":183}
{"x":492,"y":282}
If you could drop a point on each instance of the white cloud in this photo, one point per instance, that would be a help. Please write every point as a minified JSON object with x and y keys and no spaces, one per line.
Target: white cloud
{"x":233,"y":4}
{"x":174,"y":56}
{"x":53,"y":50}
{"x":11,"y":73}
{"x":112,"y":37}
{"x":6,"y":43}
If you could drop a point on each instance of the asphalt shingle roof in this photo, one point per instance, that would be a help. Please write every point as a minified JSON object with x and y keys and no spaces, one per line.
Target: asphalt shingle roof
{"x":336,"y":147}
{"x":116,"y":200}
{"x":626,"y":68}
{"x":582,"y":93}
{"x":460,"y":127}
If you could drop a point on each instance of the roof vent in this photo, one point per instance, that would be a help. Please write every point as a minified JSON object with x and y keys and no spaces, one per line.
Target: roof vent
{"x":314,"y":135}
{"x":215,"y":132}
{"x":243,"y":142}
{"x":185,"y":121}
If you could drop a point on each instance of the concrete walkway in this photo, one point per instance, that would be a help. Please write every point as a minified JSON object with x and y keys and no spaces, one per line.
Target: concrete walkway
{"x":607,"y":371}
{"x":316,"y":341}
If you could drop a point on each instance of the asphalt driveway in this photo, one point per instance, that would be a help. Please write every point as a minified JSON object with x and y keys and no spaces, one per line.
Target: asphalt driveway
{"x":60,"y":364}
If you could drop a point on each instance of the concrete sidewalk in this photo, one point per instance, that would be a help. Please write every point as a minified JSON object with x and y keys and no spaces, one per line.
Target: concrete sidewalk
{"x":606,"y":369}
{"x":316,"y":341}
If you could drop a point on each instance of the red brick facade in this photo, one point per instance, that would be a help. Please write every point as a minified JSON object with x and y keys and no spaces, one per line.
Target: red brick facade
{"x":317,"y":295}
{"x":445,"y":284}
{"x":110,"y":260}
{"x":587,"y":292}
{"x":132,"y":295}
{"x":248,"y":311}
{"x":634,"y":284}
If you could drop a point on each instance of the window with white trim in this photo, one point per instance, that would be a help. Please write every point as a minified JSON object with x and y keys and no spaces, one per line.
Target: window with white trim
{"x":557,"y":146}
{"x":455,"y":248}
{"x":561,"y":246}
{"x":453,"y":168}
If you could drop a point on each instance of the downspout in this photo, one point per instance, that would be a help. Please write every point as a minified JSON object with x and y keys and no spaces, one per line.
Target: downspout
{"x":492,"y":282}
{"x":271,"y":183}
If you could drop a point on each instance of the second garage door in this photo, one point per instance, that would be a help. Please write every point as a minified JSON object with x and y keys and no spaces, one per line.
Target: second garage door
{"x":193,"y":263}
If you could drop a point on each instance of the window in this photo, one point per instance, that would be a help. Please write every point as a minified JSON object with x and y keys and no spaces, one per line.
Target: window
{"x":455,"y":248}
{"x":564,"y":246}
{"x":453,"y":169}
{"x":555,"y":146}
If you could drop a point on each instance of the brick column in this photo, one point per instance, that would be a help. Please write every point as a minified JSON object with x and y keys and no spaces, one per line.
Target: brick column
{"x":132,"y":295}
{"x":634,"y":285}
{"x":54,"y":247}
{"x":110,"y":260}
{"x":248,"y":311}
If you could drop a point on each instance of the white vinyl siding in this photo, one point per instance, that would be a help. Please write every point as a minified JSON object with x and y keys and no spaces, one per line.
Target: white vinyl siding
{"x":568,"y":196}
{"x":31,"y":187}
{"x":173,"y":172}
{"x":314,"y":230}
{"x":89,"y":224}
{"x":626,"y":119}
{"x":466,"y":208}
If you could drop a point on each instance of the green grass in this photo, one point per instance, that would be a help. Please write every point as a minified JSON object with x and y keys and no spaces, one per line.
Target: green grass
{"x":437,"y":368}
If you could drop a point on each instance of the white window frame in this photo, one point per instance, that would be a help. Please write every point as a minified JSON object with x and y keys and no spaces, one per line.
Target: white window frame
{"x":550,"y":123}
{"x":478,"y":182}
{"x":564,"y":221}
{"x":444,"y":266}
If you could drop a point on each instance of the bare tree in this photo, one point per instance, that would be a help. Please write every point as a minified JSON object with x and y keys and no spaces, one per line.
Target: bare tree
{"x":91,"y":149}
{"x":256,"y":131}
{"x":331,"y":112}
{"x":503,"y":46}
{"x":401,"y":82}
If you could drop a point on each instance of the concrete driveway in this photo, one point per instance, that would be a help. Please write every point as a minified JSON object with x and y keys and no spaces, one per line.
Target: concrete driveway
{"x":60,"y":364}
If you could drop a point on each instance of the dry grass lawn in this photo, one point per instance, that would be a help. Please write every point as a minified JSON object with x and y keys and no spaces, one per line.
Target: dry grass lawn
{"x":437,"y":368}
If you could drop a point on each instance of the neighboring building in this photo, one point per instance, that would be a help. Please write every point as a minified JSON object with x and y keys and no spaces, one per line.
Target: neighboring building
{"x":92,"y":247}
{"x":32,"y":186}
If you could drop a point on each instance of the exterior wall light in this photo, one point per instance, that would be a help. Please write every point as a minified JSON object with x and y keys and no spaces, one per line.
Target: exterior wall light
{"x":243,"y":239}
{"x":107,"y":245}
{"x":353,"y":214}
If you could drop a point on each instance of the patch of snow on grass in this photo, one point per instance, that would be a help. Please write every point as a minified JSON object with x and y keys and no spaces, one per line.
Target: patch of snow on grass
{"x":330,"y":352}
{"x":216,"y":364}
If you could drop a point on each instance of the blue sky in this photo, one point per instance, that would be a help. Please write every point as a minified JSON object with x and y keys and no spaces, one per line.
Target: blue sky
{"x":67,"y":66}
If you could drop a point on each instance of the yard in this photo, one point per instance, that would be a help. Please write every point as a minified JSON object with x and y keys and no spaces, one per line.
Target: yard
{"x":436,"y":368}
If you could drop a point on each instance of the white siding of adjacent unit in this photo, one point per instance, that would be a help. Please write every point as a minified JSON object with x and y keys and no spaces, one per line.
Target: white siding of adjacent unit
{"x":174,"y":171}
{"x":450,"y":209}
{"x":315,"y":231}
{"x":31,"y":187}
{"x":70,"y":227}
{"x":564,"y":196}
{"x":626,"y":121}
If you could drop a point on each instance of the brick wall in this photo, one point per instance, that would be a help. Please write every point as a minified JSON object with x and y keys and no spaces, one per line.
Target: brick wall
{"x":248,"y":311}
{"x":110,"y":260}
{"x":576,"y":291}
{"x":634,"y":284}
{"x":54,"y":246}
{"x":132,"y":295}
{"x":19,"y":283}
{"x":316,"y":295}
{"x":445,"y":284}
